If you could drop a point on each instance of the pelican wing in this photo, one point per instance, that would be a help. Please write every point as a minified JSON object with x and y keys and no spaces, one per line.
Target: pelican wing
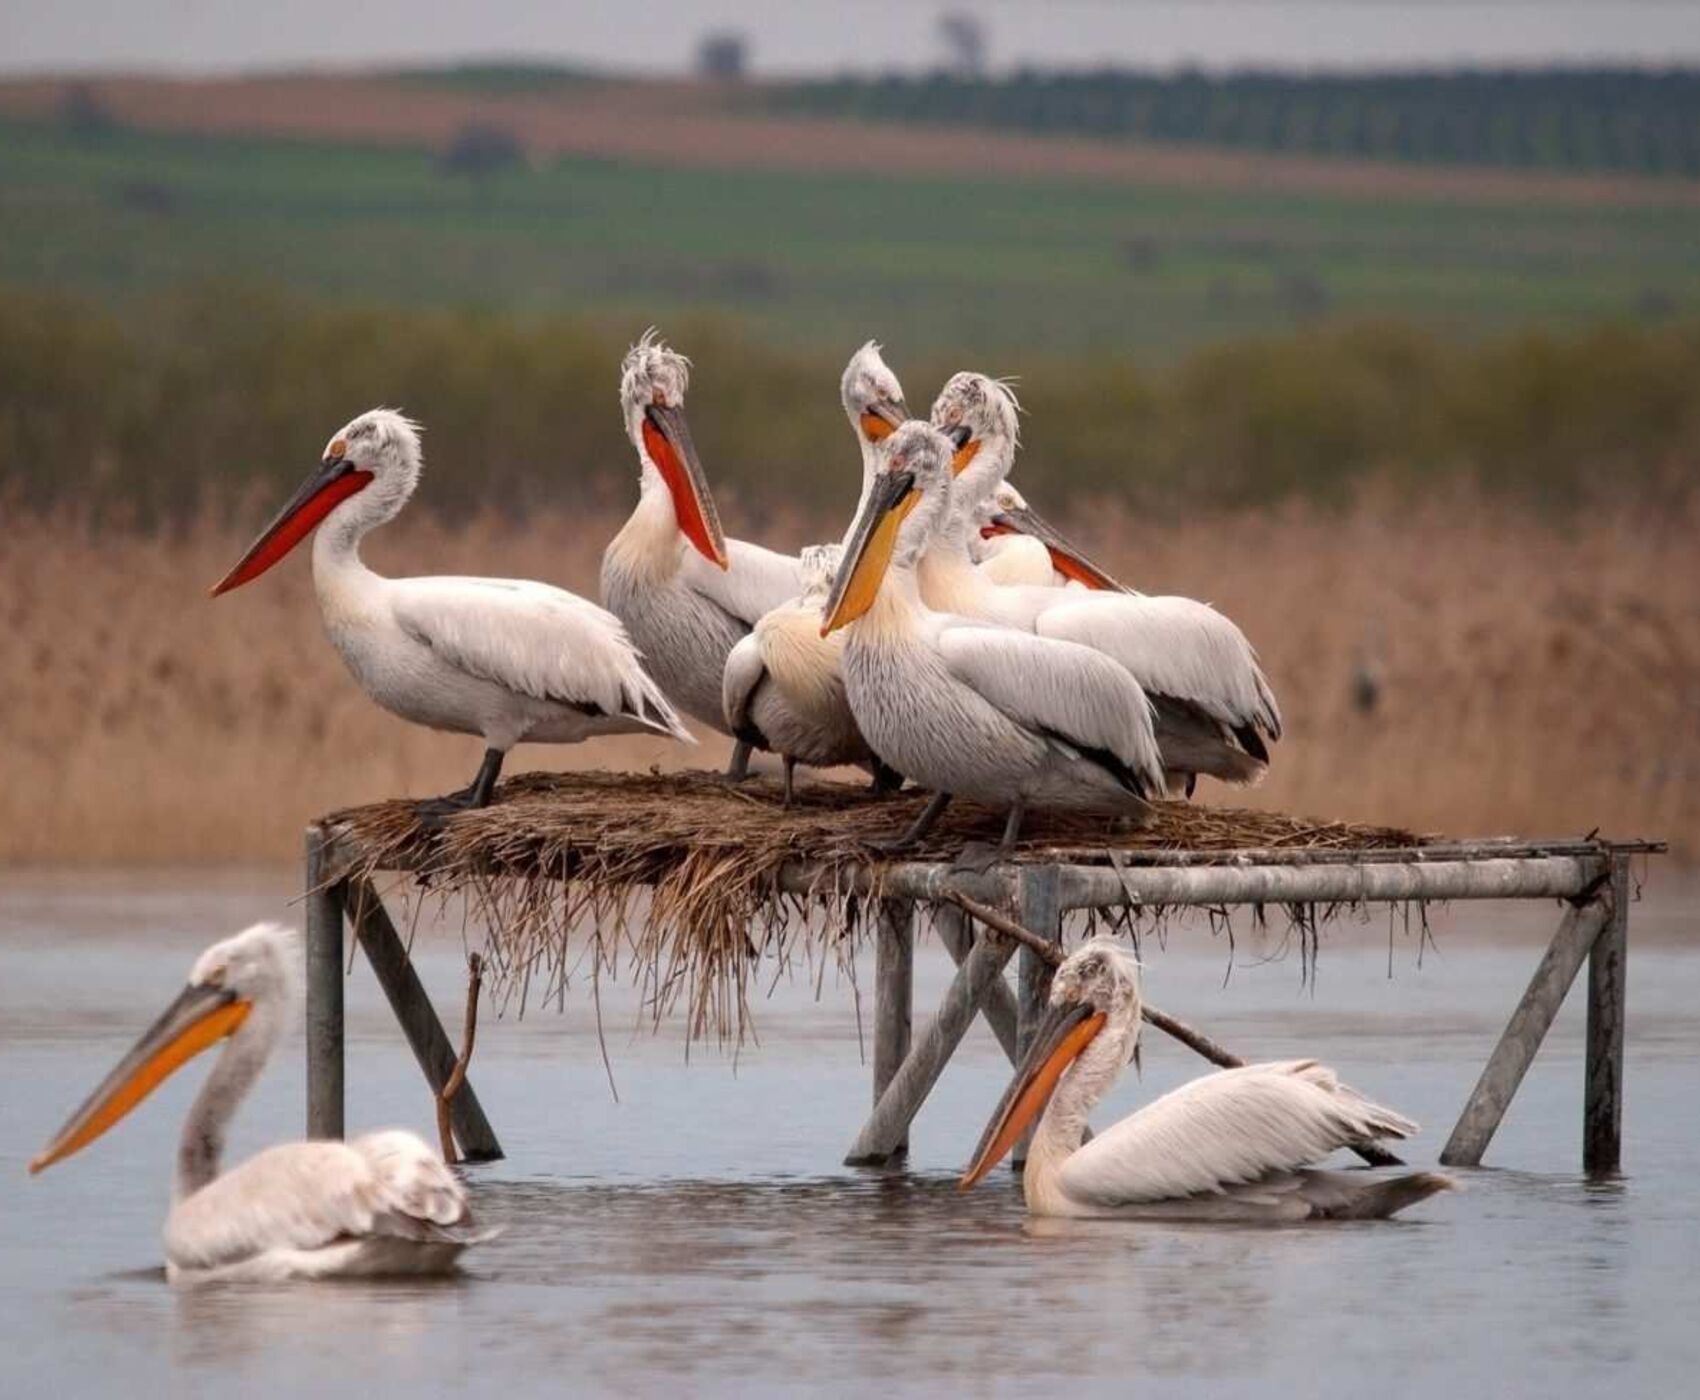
{"x":311,"y":1195}
{"x":535,"y":640}
{"x":1060,"y":690}
{"x":1015,"y":560}
{"x":745,"y":672}
{"x":755,"y":580}
{"x":1224,"y":1130}
{"x":1173,"y":646}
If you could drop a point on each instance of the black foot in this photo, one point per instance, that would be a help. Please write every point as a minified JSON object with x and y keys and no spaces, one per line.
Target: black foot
{"x":739,"y":768}
{"x":790,"y":779}
{"x":917,"y":829}
{"x":433,"y":811}
{"x":1012,"y":826}
{"x":887,"y":780}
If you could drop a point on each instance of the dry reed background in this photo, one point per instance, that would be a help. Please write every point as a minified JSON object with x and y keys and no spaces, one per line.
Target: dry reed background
{"x":1535,"y":677}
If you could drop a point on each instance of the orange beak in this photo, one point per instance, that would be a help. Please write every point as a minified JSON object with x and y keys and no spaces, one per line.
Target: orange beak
{"x":667,"y":441}
{"x":880,"y":420}
{"x":873,"y":539}
{"x":332,"y":483}
{"x":1064,"y":1032}
{"x":1068,"y":561}
{"x":199,"y":1018}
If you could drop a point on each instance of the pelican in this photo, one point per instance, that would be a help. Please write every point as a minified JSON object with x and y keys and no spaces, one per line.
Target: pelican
{"x":1015,"y":545}
{"x":1239,"y":1144}
{"x":1215,"y":709}
{"x":784,"y":684}
{"x":996,"y":715}
{"x":505,"y":659}
{"x":382,"y":1204}
{"x":873,"y":402}
{"x":686,"y":593}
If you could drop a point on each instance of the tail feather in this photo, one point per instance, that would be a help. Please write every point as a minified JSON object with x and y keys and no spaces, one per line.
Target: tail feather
{"x":1376,"y":1200}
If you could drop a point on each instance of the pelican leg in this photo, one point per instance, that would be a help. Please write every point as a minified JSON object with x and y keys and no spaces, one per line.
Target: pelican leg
{"x":919,"y":828}
{"x":886,"y":779}
{"x":1012,"y":826}
{"x":474,"y":794}
{"x":790,"y":781}
{"x":739,"y":768}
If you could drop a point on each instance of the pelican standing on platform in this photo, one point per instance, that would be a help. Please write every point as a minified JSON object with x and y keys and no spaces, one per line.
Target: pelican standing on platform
{"x":685,"y":592}
{"x":1215,"y":709}
{"x":383,"y":1204}
{"x":505,"y":659}
{"x":996,"y":715}
{"x":1015,"y":545}
{"x":1235,"y":1145}
{"x":873,"y":402}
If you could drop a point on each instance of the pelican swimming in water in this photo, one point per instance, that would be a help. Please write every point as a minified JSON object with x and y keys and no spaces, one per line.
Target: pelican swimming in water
{"x":1239,"y":1144}
{"x":382,"y":1204}
{"x":996,"y":715}
{"x":685,"y":592}
{"x":506,"y":659}
{"x":1216,"y":712}
{"x":1015,"y":545}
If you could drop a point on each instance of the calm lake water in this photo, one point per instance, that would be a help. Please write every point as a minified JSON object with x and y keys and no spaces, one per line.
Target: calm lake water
{"x":700,"y":1233}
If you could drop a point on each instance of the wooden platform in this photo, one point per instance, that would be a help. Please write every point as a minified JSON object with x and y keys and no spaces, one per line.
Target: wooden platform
{"x":713,"y":858}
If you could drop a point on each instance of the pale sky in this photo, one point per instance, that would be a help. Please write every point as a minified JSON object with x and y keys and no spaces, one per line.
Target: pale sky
{"x":197,"y":36}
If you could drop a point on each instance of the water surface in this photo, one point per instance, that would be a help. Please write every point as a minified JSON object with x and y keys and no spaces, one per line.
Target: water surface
{"x":700,"y":1231}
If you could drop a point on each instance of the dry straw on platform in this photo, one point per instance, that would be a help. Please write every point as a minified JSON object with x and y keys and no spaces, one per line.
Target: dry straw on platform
{"x":678,"y":874}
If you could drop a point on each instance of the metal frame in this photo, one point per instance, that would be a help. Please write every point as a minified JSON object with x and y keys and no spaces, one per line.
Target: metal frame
{"x":1591,"y":877}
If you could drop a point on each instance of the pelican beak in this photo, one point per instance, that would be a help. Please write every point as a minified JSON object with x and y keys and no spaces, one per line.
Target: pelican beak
{"x":667,"y":440}
{"x":1064,"y":1032}
{"x":879,"y":420}
{"x":868,"y":555}
{"x":200,"y":1017}
{"x":967,"y":448}
{"x":1068,"y":561}
{"x":332,"y":482}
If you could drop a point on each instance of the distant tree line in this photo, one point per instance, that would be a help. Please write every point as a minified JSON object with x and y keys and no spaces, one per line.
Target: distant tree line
{"x":1605,"y":119}
{"x":154,"y":413}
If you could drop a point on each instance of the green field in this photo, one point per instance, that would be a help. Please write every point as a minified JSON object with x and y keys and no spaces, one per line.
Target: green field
{"x":1010,"y":271}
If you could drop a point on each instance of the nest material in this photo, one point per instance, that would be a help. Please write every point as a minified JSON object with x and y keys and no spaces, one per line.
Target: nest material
{"x":699,"y":859}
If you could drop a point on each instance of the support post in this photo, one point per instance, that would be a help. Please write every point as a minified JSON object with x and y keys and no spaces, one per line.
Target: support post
{"x":1602,"y":1105}
{"x":1523,"y":1034}
{"x":412,"y":1006}
{"x":1039,"y":909}
{"x":894,"y":991}
{"x":999,"y":1009}
{"x":325,"y":904}
{"x":888,"y":1124}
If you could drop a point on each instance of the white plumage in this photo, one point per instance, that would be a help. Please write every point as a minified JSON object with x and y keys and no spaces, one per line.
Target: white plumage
{"x":381,"y":1204}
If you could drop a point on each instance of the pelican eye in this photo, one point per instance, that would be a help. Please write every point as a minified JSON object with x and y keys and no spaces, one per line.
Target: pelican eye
{"x":215,"y":978}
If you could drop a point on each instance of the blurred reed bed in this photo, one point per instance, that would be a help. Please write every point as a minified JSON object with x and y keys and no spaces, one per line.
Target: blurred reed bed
{"x":1445,"y":664}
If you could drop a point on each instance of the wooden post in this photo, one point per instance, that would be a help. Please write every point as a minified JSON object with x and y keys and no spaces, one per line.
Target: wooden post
{"x":999,"y":1006}
{"x":1040,"y":910}
{"x":894,"y":991}
{"x":1602,"y":1105}
{"x":325,"y":904}
{"x":888,"y":1124}
{"x":412,"y":1006}
{"x":1528,"y":1026}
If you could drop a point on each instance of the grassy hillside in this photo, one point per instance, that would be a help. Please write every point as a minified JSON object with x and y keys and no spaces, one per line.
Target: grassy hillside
{"x":998,"y":269}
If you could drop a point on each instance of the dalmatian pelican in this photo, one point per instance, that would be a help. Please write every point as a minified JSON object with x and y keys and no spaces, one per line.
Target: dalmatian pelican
{"x":506,"y":659}
{"x":1239,"y":1144}
{"x":685,"y":592}
{"x":382,"y":1204}
{"x":1216,"y":712}
{"x":1000,"y":716}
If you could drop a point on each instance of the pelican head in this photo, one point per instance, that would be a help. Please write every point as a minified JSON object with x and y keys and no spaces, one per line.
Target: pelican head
{"x":872,"y":397}
{"x":1007,"y":513}
{"x":906,"y":501}
{"x":250,"y":975}
{"x":980,"y":415}
{"x":374,"y":458}
{"x":653,"y":380}
{"x":1097,"y":987}
{"x":818,"y":565}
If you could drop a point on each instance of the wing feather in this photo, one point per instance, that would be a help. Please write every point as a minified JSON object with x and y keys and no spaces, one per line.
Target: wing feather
{"x":1059,"y":689}
{"x":755,"y":581}
{"x":1226,"y":1130}
{"x":533,"y":639}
